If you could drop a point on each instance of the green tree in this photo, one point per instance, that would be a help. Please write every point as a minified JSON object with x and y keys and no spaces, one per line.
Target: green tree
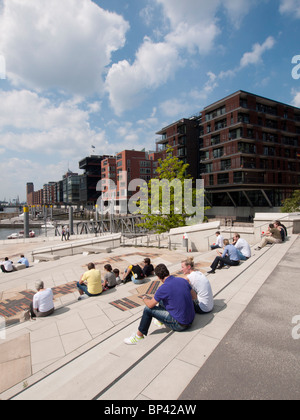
{"x":292,"y":204}
{"x":167,"y":205}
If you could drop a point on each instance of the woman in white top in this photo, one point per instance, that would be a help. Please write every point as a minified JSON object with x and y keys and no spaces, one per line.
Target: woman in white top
{"x":203,"y":296}
{"x":42,"y":304}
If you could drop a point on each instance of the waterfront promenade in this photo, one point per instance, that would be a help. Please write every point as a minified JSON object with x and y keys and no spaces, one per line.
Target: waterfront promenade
{"x":78,"y":353}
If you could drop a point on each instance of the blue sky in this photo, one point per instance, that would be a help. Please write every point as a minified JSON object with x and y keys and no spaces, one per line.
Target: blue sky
{"x":111,"y":73}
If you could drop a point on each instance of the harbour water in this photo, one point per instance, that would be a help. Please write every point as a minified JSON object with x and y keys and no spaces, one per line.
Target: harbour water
{"x":5,"y":232}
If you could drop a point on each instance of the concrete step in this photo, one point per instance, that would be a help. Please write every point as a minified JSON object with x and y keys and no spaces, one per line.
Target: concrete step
{"x":111,"y":368}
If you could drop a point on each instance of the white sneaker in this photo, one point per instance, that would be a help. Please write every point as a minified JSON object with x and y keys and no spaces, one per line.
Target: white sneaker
{"x":133,"y":339}
{"x":157,"y":323}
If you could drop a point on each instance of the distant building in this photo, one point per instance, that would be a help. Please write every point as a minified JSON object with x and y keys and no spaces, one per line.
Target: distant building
{"x":88,"y":194}
{"x":71,"y":183}
{"x":50,"y":193}
{"x":127,"y":166}
{"x":249,"y":151}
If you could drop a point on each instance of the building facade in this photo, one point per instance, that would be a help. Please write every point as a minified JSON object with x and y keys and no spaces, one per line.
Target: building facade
{"x":125,"y":167}
{"x":71,"y":184}
{"x":183,"y":137}
{"x":91,"y":166}
{"x":249,"y":151}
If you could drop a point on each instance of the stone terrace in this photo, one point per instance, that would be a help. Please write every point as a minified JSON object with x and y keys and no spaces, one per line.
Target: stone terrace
{"x":78,"y":353}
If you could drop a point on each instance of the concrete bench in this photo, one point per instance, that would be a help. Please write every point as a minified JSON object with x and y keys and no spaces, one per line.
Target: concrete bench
{"x":20,"y":267}
{"x":46,"y":257}
{"x":96,"y":250}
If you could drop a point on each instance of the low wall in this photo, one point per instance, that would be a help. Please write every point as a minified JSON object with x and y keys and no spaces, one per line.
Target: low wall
{"x":67,"y":249}
{"x":199,"y":236}
{"x":262,"y":221}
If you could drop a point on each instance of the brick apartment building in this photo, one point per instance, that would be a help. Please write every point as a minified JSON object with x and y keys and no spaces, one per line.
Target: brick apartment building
{"x":183,"y":137}
{"x":127,"y":166}
{"x":249,"y":151}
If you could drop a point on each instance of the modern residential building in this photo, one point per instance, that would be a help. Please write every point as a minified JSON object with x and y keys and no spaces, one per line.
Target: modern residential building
{"x":91,"y":165}
{"x":50,"y":193}
{"x":183,"y":137}
{"x":249,"y":151}
{"x":109,"y":174}
{"x":71,"y":183}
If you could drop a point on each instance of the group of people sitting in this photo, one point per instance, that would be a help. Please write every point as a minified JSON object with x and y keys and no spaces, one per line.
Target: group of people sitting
{"x":275,"y":234}
{"x":178,"y":299}
{"x":7,"y":266}
{"x":91,"y":284}
{"x":239,"y":249}
{"x":174,"y":304}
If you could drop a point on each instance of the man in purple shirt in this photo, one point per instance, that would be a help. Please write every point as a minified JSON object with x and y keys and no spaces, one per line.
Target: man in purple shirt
{"x":175,"y":305}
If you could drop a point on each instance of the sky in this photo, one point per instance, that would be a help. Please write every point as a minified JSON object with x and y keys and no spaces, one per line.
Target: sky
{"x":110,"y":74}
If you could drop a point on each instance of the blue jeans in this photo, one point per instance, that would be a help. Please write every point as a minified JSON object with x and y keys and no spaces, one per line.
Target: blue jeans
{"x":241,"y":256}
{"x":84,"y":288}
{"x":161,"y":314}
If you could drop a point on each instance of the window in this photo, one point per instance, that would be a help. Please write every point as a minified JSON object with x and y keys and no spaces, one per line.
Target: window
{"x":225,"y":164}
{"x":223,"y":179}
{"x":247,"y":148}
{"x":218,"y":152}
{"x":238,"y":177}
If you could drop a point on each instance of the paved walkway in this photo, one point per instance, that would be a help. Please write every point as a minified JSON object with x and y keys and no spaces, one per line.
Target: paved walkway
{"x":259,"y":359}
{"x":78,"y":353}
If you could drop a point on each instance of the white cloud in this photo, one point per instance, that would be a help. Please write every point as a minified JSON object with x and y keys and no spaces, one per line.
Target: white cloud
{"x":291,"y":7}
{"x":296,"y":99}
{"x":254,"y":57}
{"x":189,"y":27}
{"x":59,"y":44}
{"x":193,"y":24}
{"x":154,"y":65}
{"x":237,"y":9}
{"x":30,"y":122}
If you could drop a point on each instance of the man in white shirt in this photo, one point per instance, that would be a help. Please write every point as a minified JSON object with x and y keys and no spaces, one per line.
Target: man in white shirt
{"x":7,"y":266}
{"x":42,"y":304}
{"x":242,"y":247}
{"x":219,"y":242}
